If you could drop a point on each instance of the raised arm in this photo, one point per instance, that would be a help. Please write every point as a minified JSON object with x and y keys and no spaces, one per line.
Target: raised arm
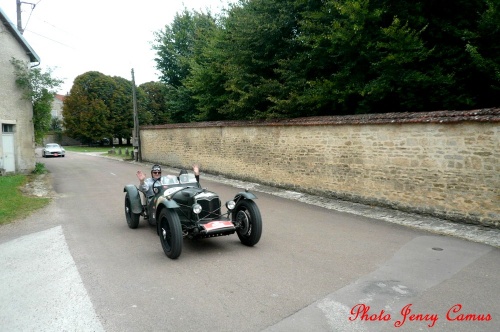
{"x":196,"y":170}
{"x":143,"y":185}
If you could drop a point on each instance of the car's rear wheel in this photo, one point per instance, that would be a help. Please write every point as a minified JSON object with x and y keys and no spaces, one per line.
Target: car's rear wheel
{"x":248,"y":221}
{"x":170,"y":232}
{"x":132,"y":218}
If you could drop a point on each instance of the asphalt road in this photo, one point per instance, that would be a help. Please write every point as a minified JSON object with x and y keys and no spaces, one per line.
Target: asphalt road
{"x":76,"y":266}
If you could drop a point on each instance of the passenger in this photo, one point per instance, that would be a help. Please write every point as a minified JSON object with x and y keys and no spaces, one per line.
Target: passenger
{"x":196,"y":170}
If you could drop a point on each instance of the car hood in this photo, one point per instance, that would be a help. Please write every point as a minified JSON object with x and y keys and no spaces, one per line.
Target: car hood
{"x":188,"y":195}
{"x":54,"y":149}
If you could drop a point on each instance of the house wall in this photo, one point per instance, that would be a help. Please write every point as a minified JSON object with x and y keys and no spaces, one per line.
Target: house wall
{"x":57,"y":106}
{"x":446,"y":164}
{"x":13,"y":108}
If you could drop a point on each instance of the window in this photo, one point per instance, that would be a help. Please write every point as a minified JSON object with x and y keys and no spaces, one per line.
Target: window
{"x":7,"y":128}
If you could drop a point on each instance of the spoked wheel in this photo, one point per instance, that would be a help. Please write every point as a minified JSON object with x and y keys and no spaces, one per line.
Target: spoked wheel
{"x":248,"y":221}
{"x":132,"y":218}
{"x":170,"y":232}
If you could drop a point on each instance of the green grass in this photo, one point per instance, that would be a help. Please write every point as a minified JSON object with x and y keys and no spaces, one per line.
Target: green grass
{"x":39,"y":168}
{"x":102,"y":150}
{"x":13,"y":204}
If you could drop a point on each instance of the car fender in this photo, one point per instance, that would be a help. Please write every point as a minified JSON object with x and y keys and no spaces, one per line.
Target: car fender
{"x":163,"y":203}
{"x":135,"y":198}
{"x":244,"y":195}
{"x":169,"y":203}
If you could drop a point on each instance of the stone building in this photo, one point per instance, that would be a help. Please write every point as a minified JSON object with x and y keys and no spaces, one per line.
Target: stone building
{"x":57,"y":107}
{"x":17,"y":140}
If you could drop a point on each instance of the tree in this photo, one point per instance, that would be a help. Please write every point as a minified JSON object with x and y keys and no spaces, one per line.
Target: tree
{"x":39,"y":88}
{"x":86,"y":115}
{"x":255,"y":39}
{"x":98,"y":97}
{"x":176,"y":47}
{"x":270,"y":58}
{"x":120,"y":108}
{"x":152,"y":100}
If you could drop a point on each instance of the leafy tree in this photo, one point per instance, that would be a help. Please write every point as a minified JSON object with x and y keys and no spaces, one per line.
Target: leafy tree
{"x":270,"y":58}
{"x":56,"y":128}
{"x":359,"y":56}
{"x":121,"y":109}
{"x":463,"y":40}
{"x":208,"y":76}
{"x":152,"y":98}
{"x":98,"y":97}
{"x":39,"y":88}
{"x":176,"y":46}
{"x":86,"y":115}
{"x":256,"y":37}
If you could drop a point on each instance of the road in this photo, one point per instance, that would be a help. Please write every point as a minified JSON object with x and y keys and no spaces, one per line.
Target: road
{"x":76,"y":266}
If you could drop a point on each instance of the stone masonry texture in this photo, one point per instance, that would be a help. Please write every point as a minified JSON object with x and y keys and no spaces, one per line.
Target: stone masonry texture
{"x":445,"y":164}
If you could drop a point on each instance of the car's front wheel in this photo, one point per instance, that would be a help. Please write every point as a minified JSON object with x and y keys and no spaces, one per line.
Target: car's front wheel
{"x":170,"y":232}
{"x":132,"y":218}
{"x":248,"y":221}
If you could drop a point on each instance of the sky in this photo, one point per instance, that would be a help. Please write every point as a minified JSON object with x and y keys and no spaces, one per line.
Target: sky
{"x":72,"y":37}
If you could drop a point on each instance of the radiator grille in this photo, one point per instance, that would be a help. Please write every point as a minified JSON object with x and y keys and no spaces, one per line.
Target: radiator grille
{"x":210,"y":209}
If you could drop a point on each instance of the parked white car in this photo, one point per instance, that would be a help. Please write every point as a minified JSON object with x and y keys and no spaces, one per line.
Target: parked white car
{"x":53,"y":150}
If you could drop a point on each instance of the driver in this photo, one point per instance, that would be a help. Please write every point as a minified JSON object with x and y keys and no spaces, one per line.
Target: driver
{"x":146,"y":185}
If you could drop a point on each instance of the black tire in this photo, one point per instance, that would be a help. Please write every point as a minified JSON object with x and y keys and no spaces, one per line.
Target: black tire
{"x":43,"y":155}
{"x":170,"y":232}
{"x":132,"y":218}
{"x":151,"y":222}
{"x":247,"y":217}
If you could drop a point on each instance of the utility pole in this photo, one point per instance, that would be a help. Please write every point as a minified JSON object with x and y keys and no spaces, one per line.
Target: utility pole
{"x":135,"y":135}
{"x":19,"y":20}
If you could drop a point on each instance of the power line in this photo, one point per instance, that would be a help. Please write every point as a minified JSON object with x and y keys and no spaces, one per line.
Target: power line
{"x":55,"y":41}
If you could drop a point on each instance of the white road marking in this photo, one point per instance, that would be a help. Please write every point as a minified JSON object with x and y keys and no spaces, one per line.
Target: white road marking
{"x":390,"y":288}
{"x":41,"y":289}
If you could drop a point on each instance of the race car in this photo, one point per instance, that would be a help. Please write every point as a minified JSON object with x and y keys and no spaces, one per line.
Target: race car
{"x":180,"y":208}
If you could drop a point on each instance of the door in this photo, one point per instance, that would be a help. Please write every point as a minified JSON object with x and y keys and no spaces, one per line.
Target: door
{"x":8,"y":156}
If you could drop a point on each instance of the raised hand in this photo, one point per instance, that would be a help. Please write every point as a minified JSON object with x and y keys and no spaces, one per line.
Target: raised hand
{"x":196,"y":169}
{"x":141,"y":176}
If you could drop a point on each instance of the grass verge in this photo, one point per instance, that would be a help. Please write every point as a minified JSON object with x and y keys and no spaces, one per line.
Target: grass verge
{"x":103,"y":150}
{"x":13,"y":204}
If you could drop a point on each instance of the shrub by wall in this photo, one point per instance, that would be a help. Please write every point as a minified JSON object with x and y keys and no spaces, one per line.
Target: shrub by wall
{"x":445,"y":164}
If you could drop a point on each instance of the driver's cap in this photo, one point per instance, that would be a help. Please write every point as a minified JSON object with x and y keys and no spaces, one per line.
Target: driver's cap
{"x":156,"y":168}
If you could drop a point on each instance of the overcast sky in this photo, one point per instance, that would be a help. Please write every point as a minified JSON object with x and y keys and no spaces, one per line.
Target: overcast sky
{"x":110,"y":36}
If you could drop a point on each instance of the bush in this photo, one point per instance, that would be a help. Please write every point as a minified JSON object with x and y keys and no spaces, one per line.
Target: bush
{"x":39,"y":168}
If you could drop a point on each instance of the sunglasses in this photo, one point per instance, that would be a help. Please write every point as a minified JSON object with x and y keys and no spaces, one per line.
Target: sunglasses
{"x":156,"y":172}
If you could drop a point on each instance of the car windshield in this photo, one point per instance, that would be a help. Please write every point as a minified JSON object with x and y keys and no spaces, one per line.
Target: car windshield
{"x":187,"y":178}
{"x":52,"y":146}
{"x":169,"y":180}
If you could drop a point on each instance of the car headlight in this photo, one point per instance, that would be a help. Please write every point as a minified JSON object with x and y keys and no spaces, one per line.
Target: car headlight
{"x":230,"y":205}
{"x":197,"y":208}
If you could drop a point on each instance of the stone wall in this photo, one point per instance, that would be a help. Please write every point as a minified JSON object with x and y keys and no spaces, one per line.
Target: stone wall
{"x":63,"y":140}
{"x":446,"y":163}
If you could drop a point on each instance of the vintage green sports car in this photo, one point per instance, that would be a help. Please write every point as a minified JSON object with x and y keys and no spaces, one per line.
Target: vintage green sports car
{"x":181,"y":208}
